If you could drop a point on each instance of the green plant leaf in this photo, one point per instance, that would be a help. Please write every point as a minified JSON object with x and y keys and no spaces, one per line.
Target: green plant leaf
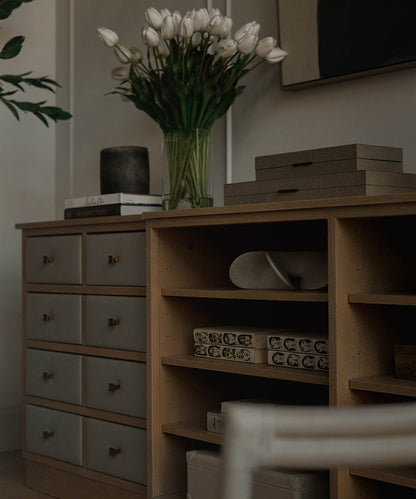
{"x":12,"y":109}
{"x":12,"y":47}
{"x":55,"y":113}
{"x":42,"y":118}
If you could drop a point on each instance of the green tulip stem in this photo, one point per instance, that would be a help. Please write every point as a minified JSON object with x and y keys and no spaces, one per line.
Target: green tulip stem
{"x":187,"y":155}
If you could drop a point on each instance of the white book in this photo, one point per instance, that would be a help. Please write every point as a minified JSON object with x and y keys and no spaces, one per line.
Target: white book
{"x":114,"y":198}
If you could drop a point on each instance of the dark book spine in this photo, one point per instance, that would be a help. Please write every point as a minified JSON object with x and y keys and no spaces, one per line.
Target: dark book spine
{"x":92,"y":211}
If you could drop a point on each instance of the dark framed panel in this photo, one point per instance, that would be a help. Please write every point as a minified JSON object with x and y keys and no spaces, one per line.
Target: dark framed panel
{"x":329,"y":40}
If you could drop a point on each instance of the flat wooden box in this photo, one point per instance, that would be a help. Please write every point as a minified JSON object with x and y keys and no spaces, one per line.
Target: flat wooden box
{"x":338,"y":159}
{"x":405,"y":361}
{"x":335,"y":153}
{"x":363,"y":183}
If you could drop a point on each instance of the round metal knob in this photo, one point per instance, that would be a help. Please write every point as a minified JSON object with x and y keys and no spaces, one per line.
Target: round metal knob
{"x":113,"y":259}
{"x":112,"y":387}
{"x":113,"y":451}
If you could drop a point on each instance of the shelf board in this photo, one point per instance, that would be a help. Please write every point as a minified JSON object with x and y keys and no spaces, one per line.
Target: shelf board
{"x":86,"y":411}
{"x":382,"y":299}
{"x":406,"y":477}
{"x":87,"y":350}
{"x":80,"y":289}
{"x":194,"y":430}
{"x":247,"y":294}
{"x":385,"y":384}
{"x":260,"y":370}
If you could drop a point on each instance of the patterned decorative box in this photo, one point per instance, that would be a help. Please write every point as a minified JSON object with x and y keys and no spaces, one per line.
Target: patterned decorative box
{"x":298,"y":360}
{"x":252,"y":337}
{"x":298,"y":342}
{"x":215,"y":421}
{"x":236,"y":354}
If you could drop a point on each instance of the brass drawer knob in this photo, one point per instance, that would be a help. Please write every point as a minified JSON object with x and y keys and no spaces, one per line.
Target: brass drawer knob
{"x":112,"y":387}
{"x":113,"y":259}
{"x":113,"y":322}
{"x":47,"y":434}
{"x":47,"y":317}
{"x":46,"y":375}
{"x":47,"y":259}
{"x":113,"y":451}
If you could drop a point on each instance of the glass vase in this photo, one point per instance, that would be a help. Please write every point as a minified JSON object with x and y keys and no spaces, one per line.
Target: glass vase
{"x":187,"y":176}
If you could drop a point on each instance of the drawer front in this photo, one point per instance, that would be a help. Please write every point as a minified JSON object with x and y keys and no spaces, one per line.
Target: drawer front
{"x":116,"y":259}
{"x":54,"y":433}
{"x":52,"y":317}
{"x":54,"y":259}
{"x":116,"y":386}
{"x":116,"y":450}
{"x":116,"y":322}
{"x":54,"y":375}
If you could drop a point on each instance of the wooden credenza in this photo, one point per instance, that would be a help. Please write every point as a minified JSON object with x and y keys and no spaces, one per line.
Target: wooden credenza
{"x":368,"y":307}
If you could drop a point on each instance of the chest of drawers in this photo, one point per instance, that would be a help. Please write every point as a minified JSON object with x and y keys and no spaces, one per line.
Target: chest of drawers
{"x":84,"y":307}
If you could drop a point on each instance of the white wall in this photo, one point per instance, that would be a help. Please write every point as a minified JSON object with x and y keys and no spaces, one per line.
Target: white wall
{"x":266,"y":120}
{"x":379,"y":110}
{"x":26,"y":194}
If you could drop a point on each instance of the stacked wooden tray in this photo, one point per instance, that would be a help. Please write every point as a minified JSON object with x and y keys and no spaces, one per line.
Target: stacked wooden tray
{"x":349,"y":170}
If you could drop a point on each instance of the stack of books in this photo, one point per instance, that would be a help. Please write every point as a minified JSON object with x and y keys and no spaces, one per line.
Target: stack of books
{"x":234,"y":343}
{"x":111,"y":205}
{"x":298,"y":350}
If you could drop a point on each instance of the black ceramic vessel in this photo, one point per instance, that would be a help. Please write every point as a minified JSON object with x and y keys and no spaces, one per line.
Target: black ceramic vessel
{"x":124,"y":169}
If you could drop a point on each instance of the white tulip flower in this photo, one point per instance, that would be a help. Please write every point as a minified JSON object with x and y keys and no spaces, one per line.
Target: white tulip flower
{"x":120,"y":73}
{"x":108,"y":37}
{"x":226,"y":48}
{"x":276,"y":55}
{"x":169,"y":28}
{"x":137,"y":55}
{"x":201,"y":19}
{"x":254,"y":28}
{"x":163,"y":51}
{"x":165,"y":12}
{"x":265,"y":46}
{"x":123,"y":54}
{"x":150,"y":37}
{"x":225,"y":28}
{"x":154,"y":18}
{"x":196,"y":38}
{"x":242,"y":32}
{"x":246,"y":44}
{"x":214,"y":12}
{"x":186,"y":28}
{"x":214,"y":25}
{"x":177,"y":16}
{"x":251,"y":28}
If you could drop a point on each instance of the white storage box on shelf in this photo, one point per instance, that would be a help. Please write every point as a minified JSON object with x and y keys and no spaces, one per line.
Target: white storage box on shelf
{"x":204,"y":480}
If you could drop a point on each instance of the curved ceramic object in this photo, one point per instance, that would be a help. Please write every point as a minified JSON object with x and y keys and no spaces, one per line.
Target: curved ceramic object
{"x":307,"y":270}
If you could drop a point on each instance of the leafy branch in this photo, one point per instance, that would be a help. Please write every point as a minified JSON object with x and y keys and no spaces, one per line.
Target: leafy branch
{"x":10,"y":50}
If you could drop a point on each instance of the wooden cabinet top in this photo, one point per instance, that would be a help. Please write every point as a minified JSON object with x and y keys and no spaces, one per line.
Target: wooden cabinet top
{"x":399,"y":204}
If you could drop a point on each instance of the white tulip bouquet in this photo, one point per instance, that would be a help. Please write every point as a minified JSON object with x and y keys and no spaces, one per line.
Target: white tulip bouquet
{"x":189,"y":79}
